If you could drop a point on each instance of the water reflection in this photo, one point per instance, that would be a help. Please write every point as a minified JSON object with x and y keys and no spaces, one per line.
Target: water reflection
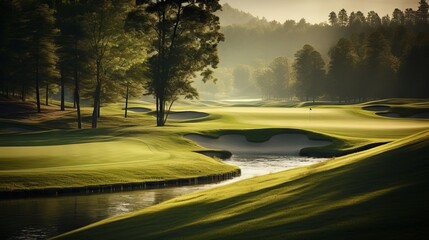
{"x":41,"y":218}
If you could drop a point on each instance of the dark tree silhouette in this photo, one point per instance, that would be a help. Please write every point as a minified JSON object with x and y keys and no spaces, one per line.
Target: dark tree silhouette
{"x":380,"y":67}
{"x":185,"y":35}
{"x":41,"y":44}
{"x":398,"y":17}
{"x":373,"y":19}
{"x":342,"y":70}
{"x":422,"y":12}
{"x":309,"y":72}
{"x":333,"y":20}
{"x":410,"y":16}
{"x":343,"y":18}
{"x":73,"y":58}
{"x":413,"y":74}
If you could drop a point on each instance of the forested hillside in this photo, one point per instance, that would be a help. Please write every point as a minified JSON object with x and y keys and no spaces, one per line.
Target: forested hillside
{"x":384,"y":55}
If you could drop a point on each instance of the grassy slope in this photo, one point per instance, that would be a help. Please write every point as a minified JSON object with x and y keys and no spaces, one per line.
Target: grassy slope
{"x":133,"y":150}
{"x":61,"y":158}
{"x":380,"y":193}
{"x":82,"y":158}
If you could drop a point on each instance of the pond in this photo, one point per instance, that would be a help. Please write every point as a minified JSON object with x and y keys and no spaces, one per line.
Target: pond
{"x":41,"y":218}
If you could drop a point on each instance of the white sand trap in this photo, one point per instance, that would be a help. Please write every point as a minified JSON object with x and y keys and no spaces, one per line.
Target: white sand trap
{"x":376,"y":108}
{"x":186,"y":115}
{"x":281,"y":144}
{"x":139,"y":109}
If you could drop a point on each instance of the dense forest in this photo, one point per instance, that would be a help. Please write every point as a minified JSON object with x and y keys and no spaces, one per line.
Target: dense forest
{"x":364,"y":56}
{"x":96,"y":52}
{"x":104,"y":51}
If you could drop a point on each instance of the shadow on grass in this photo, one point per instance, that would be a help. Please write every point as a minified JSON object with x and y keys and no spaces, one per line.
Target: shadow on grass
{"x":381,"y":197}
{"x":57,"y":137}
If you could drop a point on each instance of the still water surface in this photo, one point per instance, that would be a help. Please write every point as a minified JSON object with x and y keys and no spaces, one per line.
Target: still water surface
{"x":41,"y":218}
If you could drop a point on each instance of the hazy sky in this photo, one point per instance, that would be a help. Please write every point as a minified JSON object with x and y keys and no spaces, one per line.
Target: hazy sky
{"x":316,"y":11}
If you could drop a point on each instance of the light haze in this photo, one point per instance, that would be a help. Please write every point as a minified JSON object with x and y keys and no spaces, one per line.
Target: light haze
{"x":316,"y":11}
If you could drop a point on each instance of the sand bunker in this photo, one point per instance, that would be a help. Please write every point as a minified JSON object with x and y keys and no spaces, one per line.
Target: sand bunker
{"x":376,"y":108}
{"x":281,"y":144}
{"x":139,"y":109}
{"x":186,"y":115}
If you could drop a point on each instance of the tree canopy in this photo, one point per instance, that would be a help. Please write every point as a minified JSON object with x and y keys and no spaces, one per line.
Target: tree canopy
{"x":184,"y":38}
{"x":310,"y":73}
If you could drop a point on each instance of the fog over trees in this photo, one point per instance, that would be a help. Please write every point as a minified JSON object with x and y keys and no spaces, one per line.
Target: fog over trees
{"x":105,"y":51}
{"x":367,"y":56}
{"x":98,"y":52}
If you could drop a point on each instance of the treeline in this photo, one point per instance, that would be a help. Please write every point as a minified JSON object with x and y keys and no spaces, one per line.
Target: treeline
{"x":77,"y":48}
{"x":107,"y":50}
{"x":369,"y":57}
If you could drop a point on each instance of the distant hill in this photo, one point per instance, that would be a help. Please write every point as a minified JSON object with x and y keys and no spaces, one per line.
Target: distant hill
{"x":232,"y":16}
{"x":251,"y":40}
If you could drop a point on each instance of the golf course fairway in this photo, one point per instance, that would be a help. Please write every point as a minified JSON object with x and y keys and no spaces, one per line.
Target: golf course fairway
{"x":35,"y":155}
{"x":379,"y":193}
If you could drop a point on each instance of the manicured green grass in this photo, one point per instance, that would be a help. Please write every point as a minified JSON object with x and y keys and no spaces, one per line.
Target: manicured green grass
{"x":99,"y":157}
{"x":380,"y":193}
{"x":403,"y":107}
{"x":36,"y":154}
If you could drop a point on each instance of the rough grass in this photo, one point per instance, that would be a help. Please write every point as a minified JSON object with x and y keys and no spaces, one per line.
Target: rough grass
{"x":380,"y":193}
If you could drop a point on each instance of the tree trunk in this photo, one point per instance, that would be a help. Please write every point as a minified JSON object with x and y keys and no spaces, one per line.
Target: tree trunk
{"x":95,"y":111}
{"x":168,"y":112}
{"x":99,"y":102}
{"x":126,"y":102}
{"x":7,"y":88}
{"x":62,"y":90}
{"x":76,"y":93}
{"x":37,"y":79}
{"x":74,"y":101}
{"x":157,"y":107}
{"x":23,"y":92}
{"x":47,"y":95}
{"x":37,"y":90}
{"x":161,"y":112}
{"x":77,"y":90}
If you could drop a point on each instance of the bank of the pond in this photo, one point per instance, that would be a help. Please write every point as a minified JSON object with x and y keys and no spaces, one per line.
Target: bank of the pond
{"x":118,"y":187}
{"x":47,"y":216}
{"x":380,"y":193}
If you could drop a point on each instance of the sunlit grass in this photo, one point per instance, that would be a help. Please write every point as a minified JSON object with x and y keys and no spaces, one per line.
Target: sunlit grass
{"x":35,"y":154}
{"x":380,"y":193}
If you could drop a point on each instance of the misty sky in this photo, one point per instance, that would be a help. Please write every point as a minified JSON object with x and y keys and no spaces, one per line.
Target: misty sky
{"x":316,"y":11}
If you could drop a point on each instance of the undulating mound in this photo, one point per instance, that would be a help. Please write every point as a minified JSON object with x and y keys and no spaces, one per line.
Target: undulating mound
{"x":380,"y":193}
{"x":186,"y":115}
{"x":280,"y":144}
{"x":397,"y":115}
{"x":376,"y":108}
{"x":139,"y":109}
